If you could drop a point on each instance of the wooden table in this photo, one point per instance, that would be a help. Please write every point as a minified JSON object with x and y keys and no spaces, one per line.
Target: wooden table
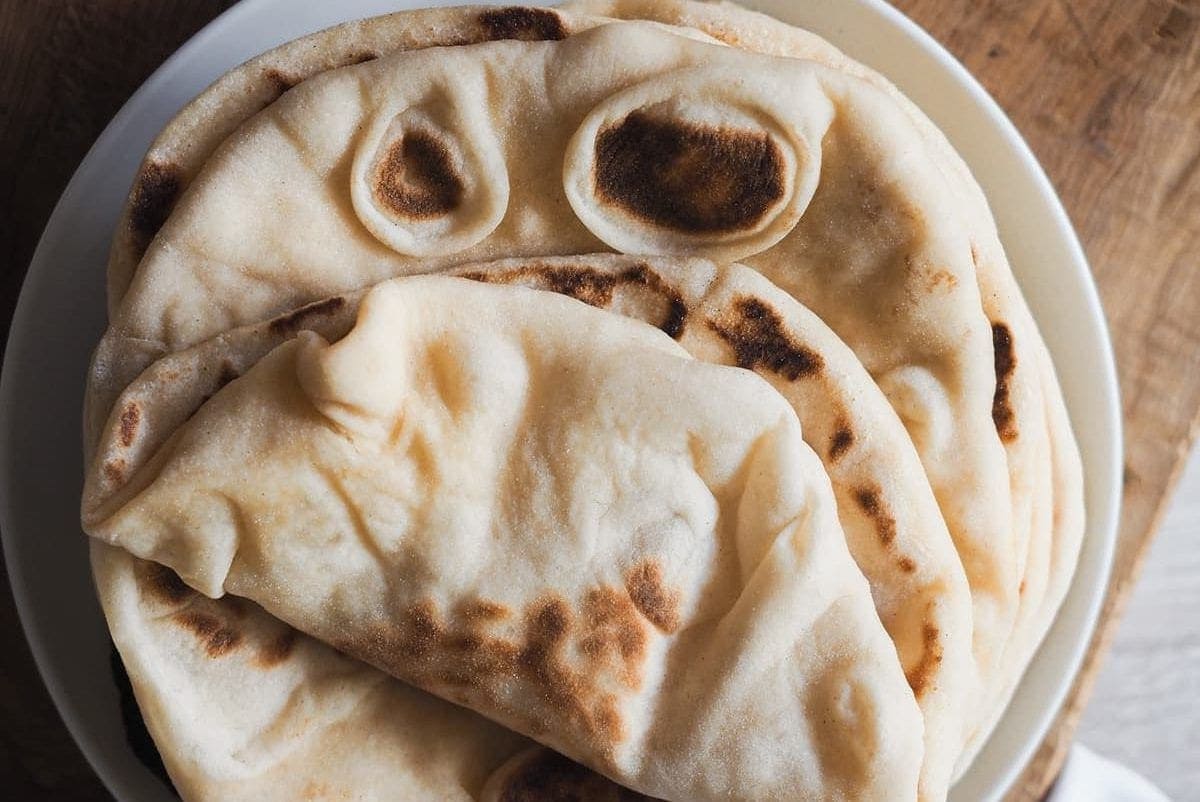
{"x":1106,"y":91}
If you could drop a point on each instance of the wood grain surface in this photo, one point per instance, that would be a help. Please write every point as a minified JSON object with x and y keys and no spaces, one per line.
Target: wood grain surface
{"x":1106,"y":91}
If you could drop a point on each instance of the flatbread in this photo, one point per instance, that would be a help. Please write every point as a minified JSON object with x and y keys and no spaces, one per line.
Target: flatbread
{"x":1028,"y":407}
{"x":243,"y":707}
{"x":734,"y":316}
{"x":1068,"y":512}
{"x":182,"y":147}
{"x":891,"y":520}
{"x":541,"y":510}
{"x":898,"y":288}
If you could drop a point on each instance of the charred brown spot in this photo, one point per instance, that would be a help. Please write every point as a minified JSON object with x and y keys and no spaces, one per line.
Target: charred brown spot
{"x":279,"y":81}
{"x":908,"y":565}
{"x":686,"y":176}
{"x":675,"y":319}
{"x":416,"y":178}
{"x":278,"y":649}
{"x":294,"y":321}
{"x":674,"y":323}
{"x":422,"y":631}
{"x":455,"y":678}
{"x":217,"y":638}
{"x":547,"y":624}
{"x":465,"y":642}
{"x":114,"y":470}
{"x":1021,"y":588}
{"x":602,"y":722}
{"x":1006,"y":362}
{"x":650,"y":594}
{"x":546,"y":776}
{"x":870,"y":502}
{"x":561,"y":656}
{"x":158,"y":187}
{"x":615,"y":635}
{"x":165,"y":584}
{"x":759,"y":339}
{"x":941,"y":280}
{"x":596,"y":287}
{"x":524,"y":24}
{"x":921,"y":675}
{"x":131,"y":415}
{"x":483,"y":611}
{"x":840,"y":443}
{"x":586,"y":284}
{"x":870,"y":201}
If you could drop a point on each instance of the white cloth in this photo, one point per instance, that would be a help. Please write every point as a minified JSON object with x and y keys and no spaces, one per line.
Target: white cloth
{"x":1088,"y":777}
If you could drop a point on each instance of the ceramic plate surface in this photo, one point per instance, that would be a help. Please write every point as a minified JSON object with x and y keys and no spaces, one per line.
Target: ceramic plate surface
{"x":60,"y":317}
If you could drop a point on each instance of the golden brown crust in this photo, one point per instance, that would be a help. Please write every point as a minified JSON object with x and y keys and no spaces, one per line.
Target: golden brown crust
{"x":114,"y":471}
{"x":614,"y":635}
{"x":921,"y":675}
{"x":653,"y":599}
{"x":131,"y":415}
{"x":277,"y":650}
{"x":562,"y":657}
{"x":217,"y":638}
{"x":164,"y":584}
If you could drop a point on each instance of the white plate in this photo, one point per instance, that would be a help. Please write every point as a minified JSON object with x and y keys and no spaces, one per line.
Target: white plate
{"x":60,"y":316}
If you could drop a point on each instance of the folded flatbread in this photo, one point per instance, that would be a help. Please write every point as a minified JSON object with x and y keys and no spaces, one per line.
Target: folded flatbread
{"x":541,"y":511}
{"x":724,"y":315}
{"x":244,"y":707}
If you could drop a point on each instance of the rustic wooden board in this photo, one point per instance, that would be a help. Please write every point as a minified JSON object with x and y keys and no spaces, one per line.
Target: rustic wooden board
{"x":1106,"y":91}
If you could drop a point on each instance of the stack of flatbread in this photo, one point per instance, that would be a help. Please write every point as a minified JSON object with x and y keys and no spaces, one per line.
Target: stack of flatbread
{"x":624,"y":400}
